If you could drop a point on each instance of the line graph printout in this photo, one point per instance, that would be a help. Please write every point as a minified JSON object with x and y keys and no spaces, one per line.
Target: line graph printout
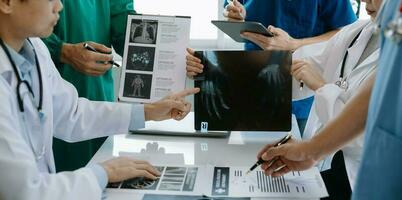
{"x":234,"y":182}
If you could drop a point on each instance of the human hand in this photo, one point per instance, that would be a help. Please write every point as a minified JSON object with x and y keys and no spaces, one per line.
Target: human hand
{"x":280,"y":41}
{"x":194,"y":66}
{"x":86,"y":61}
{"x":122,"y":168}
{"x":235,"y":11}
{"x":292,"y":156}
{"x":303,"y":71}
{"x":172,"y":106}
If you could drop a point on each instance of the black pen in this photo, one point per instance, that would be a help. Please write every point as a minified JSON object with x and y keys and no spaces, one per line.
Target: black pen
{"x":89,"y":47}
{"x":301,"y":85}
{"x":260,"y":161}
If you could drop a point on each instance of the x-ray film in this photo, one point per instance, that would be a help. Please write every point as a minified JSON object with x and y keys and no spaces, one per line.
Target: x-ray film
{"x":244,"y":91}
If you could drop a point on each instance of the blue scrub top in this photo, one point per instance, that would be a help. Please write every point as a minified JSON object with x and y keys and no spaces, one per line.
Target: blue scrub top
{"x":380,"y":174}
{"x":301,"y":19}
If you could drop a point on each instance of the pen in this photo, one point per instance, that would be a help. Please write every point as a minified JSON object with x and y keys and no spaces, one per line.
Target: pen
{"x":90,"y":48}
{"x":301,"y":85}
{"x":260,"y":161}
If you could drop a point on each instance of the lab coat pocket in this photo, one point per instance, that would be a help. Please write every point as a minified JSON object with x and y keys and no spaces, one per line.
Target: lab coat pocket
{"x":381,"y":162}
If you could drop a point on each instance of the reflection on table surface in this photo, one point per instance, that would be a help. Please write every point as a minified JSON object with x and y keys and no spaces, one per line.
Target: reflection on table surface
{"x":240,"y":149}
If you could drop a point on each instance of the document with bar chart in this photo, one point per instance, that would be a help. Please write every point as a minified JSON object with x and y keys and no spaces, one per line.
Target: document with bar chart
{"x":234,"y":182}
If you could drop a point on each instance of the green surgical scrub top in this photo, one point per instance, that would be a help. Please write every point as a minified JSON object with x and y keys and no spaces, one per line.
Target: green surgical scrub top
{"x":100,"y":21}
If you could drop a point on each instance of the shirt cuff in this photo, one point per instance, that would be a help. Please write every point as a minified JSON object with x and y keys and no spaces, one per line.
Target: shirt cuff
{"x":137,"y":117}
{"x":100,"y":175}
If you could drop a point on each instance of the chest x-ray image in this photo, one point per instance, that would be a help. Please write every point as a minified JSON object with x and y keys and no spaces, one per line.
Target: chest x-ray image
{"x":143,"y":31}
{"x":244,"y":91}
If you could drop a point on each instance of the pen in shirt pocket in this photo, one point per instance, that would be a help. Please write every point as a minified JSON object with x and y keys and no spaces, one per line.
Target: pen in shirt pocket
{"x":91,"y":48}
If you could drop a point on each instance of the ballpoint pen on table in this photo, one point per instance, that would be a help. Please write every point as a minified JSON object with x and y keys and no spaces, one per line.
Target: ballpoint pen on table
{"x":90,"y":48}
{"x":260,"y":160}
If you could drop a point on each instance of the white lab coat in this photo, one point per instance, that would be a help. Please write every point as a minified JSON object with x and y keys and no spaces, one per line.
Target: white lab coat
{"x":67,"y":117}
{"x":330,"y":99}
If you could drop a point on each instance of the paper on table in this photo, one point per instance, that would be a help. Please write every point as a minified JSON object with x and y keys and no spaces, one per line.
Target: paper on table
{"x":174,"y":180}
{"x":233,"y":182}
{"x":226,"y":182}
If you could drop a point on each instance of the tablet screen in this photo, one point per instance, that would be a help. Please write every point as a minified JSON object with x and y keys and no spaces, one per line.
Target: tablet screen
{"x":244,"y":91}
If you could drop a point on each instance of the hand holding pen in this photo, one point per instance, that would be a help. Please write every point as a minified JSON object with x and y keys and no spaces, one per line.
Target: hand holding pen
{"x":235,"y":10}
{"x":90,"y":48}
{"x":261,"y":161}
{"x":85,"y":61}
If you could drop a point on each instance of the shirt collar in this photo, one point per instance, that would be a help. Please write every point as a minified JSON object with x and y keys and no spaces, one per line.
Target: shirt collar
{"x":26,"y":54}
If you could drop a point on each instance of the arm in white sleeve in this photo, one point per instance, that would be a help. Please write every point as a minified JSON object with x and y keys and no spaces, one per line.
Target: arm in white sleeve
{"x":78,"y":119}
{"x":20,"y":176}
{"x":328,"y":102}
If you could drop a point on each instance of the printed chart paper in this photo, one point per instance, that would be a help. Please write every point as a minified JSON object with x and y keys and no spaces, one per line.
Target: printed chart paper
{"x":233,"y":182}
{"x":154,"y":63}
{"x":223,"y":182}
{"x":174,"y":180}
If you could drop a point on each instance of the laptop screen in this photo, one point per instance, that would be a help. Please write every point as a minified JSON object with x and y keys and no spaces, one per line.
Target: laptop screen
{"x":244,"y":91}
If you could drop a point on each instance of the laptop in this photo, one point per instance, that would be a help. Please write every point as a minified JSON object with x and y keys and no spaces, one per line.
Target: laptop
{"x":244,"y":91}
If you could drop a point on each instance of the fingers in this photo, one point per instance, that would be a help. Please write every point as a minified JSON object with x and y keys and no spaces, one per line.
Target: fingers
{"x":263,"y":150}
{"x":100,"y":47}
{"x":274,"y":30}
{"x":281,"y":172}
{"x":186,"y":92}
{"x":273,"y":152}
{"x":296,"y":66}
{"x":190,"y":51}
{"x":191,"y":68}
{"x":147,"y":167}
{"x":97,"y":69}
{"x":99,"y":57}
{"x":234,"y":11}
{"x":194,"y":59}
{"x":260,"y":40}
{"x":142,"y":173}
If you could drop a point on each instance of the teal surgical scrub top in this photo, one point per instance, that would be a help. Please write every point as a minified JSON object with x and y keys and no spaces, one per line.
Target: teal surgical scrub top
{"x":101,"y":21}
{"x":380,"y":175}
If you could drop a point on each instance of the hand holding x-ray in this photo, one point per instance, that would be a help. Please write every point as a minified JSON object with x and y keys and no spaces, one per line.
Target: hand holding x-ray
{"x":214,"y":81}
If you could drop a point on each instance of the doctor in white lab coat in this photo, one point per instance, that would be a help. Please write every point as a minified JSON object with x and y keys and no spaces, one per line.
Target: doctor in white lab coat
{"x":37,"y":104}
{"x":322,"y":74}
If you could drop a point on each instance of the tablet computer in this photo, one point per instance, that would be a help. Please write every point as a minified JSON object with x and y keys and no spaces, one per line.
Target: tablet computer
{"x":234,"y":29}
{"x":244,"y":91}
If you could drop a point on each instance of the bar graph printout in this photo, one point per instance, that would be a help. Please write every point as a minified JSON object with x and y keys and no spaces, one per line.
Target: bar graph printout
{"x":233,"y":182}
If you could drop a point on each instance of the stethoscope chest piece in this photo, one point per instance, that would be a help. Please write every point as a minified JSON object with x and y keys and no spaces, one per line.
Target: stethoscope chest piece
{"x":342,"y":83}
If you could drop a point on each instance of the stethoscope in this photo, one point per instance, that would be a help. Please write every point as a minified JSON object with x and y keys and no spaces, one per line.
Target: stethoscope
{"x":20,"y":83}
{"x":342,"y":83}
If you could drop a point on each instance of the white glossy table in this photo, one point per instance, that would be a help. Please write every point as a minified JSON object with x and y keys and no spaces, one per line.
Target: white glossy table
{"x":239,"y":149}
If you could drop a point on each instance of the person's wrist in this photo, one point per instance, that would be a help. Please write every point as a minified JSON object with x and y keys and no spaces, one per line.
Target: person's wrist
{"x":65,"y":53}
{"x":319,"y":85}
{"x":313,"y":150}
{"x":107,"y":170}
{"x":295,"y":44}
{"x":147,"y":111}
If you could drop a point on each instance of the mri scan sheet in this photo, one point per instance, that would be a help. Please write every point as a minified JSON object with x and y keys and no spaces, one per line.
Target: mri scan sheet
{"x":244,"y":91}
{"x":154,"y":62}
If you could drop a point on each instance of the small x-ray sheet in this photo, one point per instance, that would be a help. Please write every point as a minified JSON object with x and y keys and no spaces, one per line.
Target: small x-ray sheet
{"x":154,"y":63}
{"x":174,"y":180}
{"x":234,"y":182}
